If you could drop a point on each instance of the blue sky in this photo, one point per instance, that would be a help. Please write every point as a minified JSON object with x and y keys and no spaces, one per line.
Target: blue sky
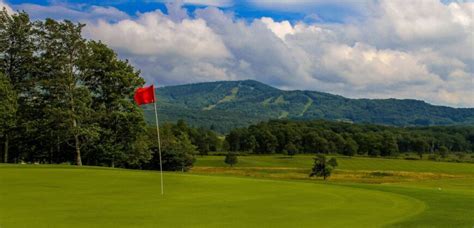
{"x":419,"y":49}
{"x":327,"y":11}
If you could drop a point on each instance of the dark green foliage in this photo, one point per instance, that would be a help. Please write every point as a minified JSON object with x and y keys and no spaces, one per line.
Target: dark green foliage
{"x":332,"y":162}
{"x":323,"y":167}
{"x":231,"y":159}
{"x":74,"y":96}
{"x":443,"y":151}
{"x":177,"y":149}
{"x":350,"y":147}
{"x":8,"y":107}
{"x":290,"y":149}
{"x":226,"y":105}
{"x":292,"y":137}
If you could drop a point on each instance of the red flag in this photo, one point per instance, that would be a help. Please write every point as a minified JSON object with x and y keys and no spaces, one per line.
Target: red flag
{"x":144,"y":95}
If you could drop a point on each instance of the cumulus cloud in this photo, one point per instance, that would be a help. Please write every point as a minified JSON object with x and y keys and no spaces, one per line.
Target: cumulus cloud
{"x":389,"y":54}
{"x":422,"y":50}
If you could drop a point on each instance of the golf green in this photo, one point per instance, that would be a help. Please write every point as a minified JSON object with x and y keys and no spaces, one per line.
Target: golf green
{"x":54,"y":196}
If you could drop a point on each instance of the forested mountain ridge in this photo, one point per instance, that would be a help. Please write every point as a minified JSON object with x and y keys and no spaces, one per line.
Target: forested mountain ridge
{"x":224,"y":105}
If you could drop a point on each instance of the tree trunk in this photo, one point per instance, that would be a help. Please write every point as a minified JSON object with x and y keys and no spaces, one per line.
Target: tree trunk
{"x":51,"y":149}
{"x":58,"y":149}
{"x":77,"y":145}
{"x":78,"y":151}
{"x":113,"y":163}
{"x":5,"y":152}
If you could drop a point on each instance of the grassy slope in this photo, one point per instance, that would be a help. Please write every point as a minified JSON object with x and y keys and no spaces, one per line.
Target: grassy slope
{"x":84,"y":197}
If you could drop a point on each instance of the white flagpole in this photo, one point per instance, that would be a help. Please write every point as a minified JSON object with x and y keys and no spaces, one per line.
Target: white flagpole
{"x":159,"y":142}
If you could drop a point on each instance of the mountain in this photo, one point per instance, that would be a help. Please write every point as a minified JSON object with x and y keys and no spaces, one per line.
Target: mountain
{"x":225,"y":105}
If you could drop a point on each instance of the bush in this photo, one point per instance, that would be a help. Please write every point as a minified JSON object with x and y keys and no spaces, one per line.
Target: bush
{"x":433,"y":157}
{"x":231,"y":159}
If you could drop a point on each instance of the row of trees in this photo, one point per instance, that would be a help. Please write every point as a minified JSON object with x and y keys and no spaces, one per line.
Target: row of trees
{"x":64,"y":97}
{"x":292,"y":137}
{"x":67,"y":99}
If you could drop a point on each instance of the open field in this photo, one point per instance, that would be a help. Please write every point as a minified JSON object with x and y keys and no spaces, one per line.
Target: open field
{"x":63,"y":196}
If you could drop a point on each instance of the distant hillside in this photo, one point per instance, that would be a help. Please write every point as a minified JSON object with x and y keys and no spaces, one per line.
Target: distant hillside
{"x":228,"y":104}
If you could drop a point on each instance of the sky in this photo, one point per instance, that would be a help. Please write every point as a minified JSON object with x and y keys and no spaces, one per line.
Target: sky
{"x":405,"y":49}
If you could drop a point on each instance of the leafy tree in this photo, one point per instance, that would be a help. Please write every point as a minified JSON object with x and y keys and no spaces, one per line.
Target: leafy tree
{"x":323,"y":167}
{"x":315,"y":143}
{"x":350,"y":147}
{"x":17,"y":62}
{"x":112,"y":83}
{"x":70,"y":101}
{"x":177,"y":149}
{"x":267,"y":142}
{"x":17,"y":46}
{"x":231,"y":159}
{"x":333,"y":162}
{"x":421,"y":146}
{"x":249,"y":143}
{"x":8,"y":107}
{"x":290,"y":149}
{"x":179,"y":154}
{"x":443,"y":151}
{"x":389,"y":146}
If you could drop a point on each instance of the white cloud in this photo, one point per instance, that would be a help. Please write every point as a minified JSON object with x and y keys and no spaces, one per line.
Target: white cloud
{"x":281,"y":29}
{"x":421,"y":49}
{"x":154,"y":34}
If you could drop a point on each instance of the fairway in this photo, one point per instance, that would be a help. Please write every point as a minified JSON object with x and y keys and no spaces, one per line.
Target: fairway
{"x":45,"y":196}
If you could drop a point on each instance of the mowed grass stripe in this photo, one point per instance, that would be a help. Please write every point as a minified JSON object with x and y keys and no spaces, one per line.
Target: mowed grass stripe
{"x":72,"y":197}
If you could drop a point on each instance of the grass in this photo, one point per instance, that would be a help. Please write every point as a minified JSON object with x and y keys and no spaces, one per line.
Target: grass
{"x":446,"y":189}
{"x":345,"y":163}
{"x":268,"y":191}
{"x":45,"y":196}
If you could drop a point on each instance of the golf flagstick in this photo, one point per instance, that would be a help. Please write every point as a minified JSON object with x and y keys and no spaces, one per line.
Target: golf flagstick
{"x":159,"y":142}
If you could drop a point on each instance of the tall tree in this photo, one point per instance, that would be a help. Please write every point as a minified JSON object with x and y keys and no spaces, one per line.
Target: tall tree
{"x":17,"y":63}
{"x":112,"y":83}
{"x":69,"y":99}
{"x":8,"y":106}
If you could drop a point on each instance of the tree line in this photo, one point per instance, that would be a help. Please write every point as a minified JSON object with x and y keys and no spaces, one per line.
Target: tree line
{"x":67,"y":99}
{"x":294,"y":137}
